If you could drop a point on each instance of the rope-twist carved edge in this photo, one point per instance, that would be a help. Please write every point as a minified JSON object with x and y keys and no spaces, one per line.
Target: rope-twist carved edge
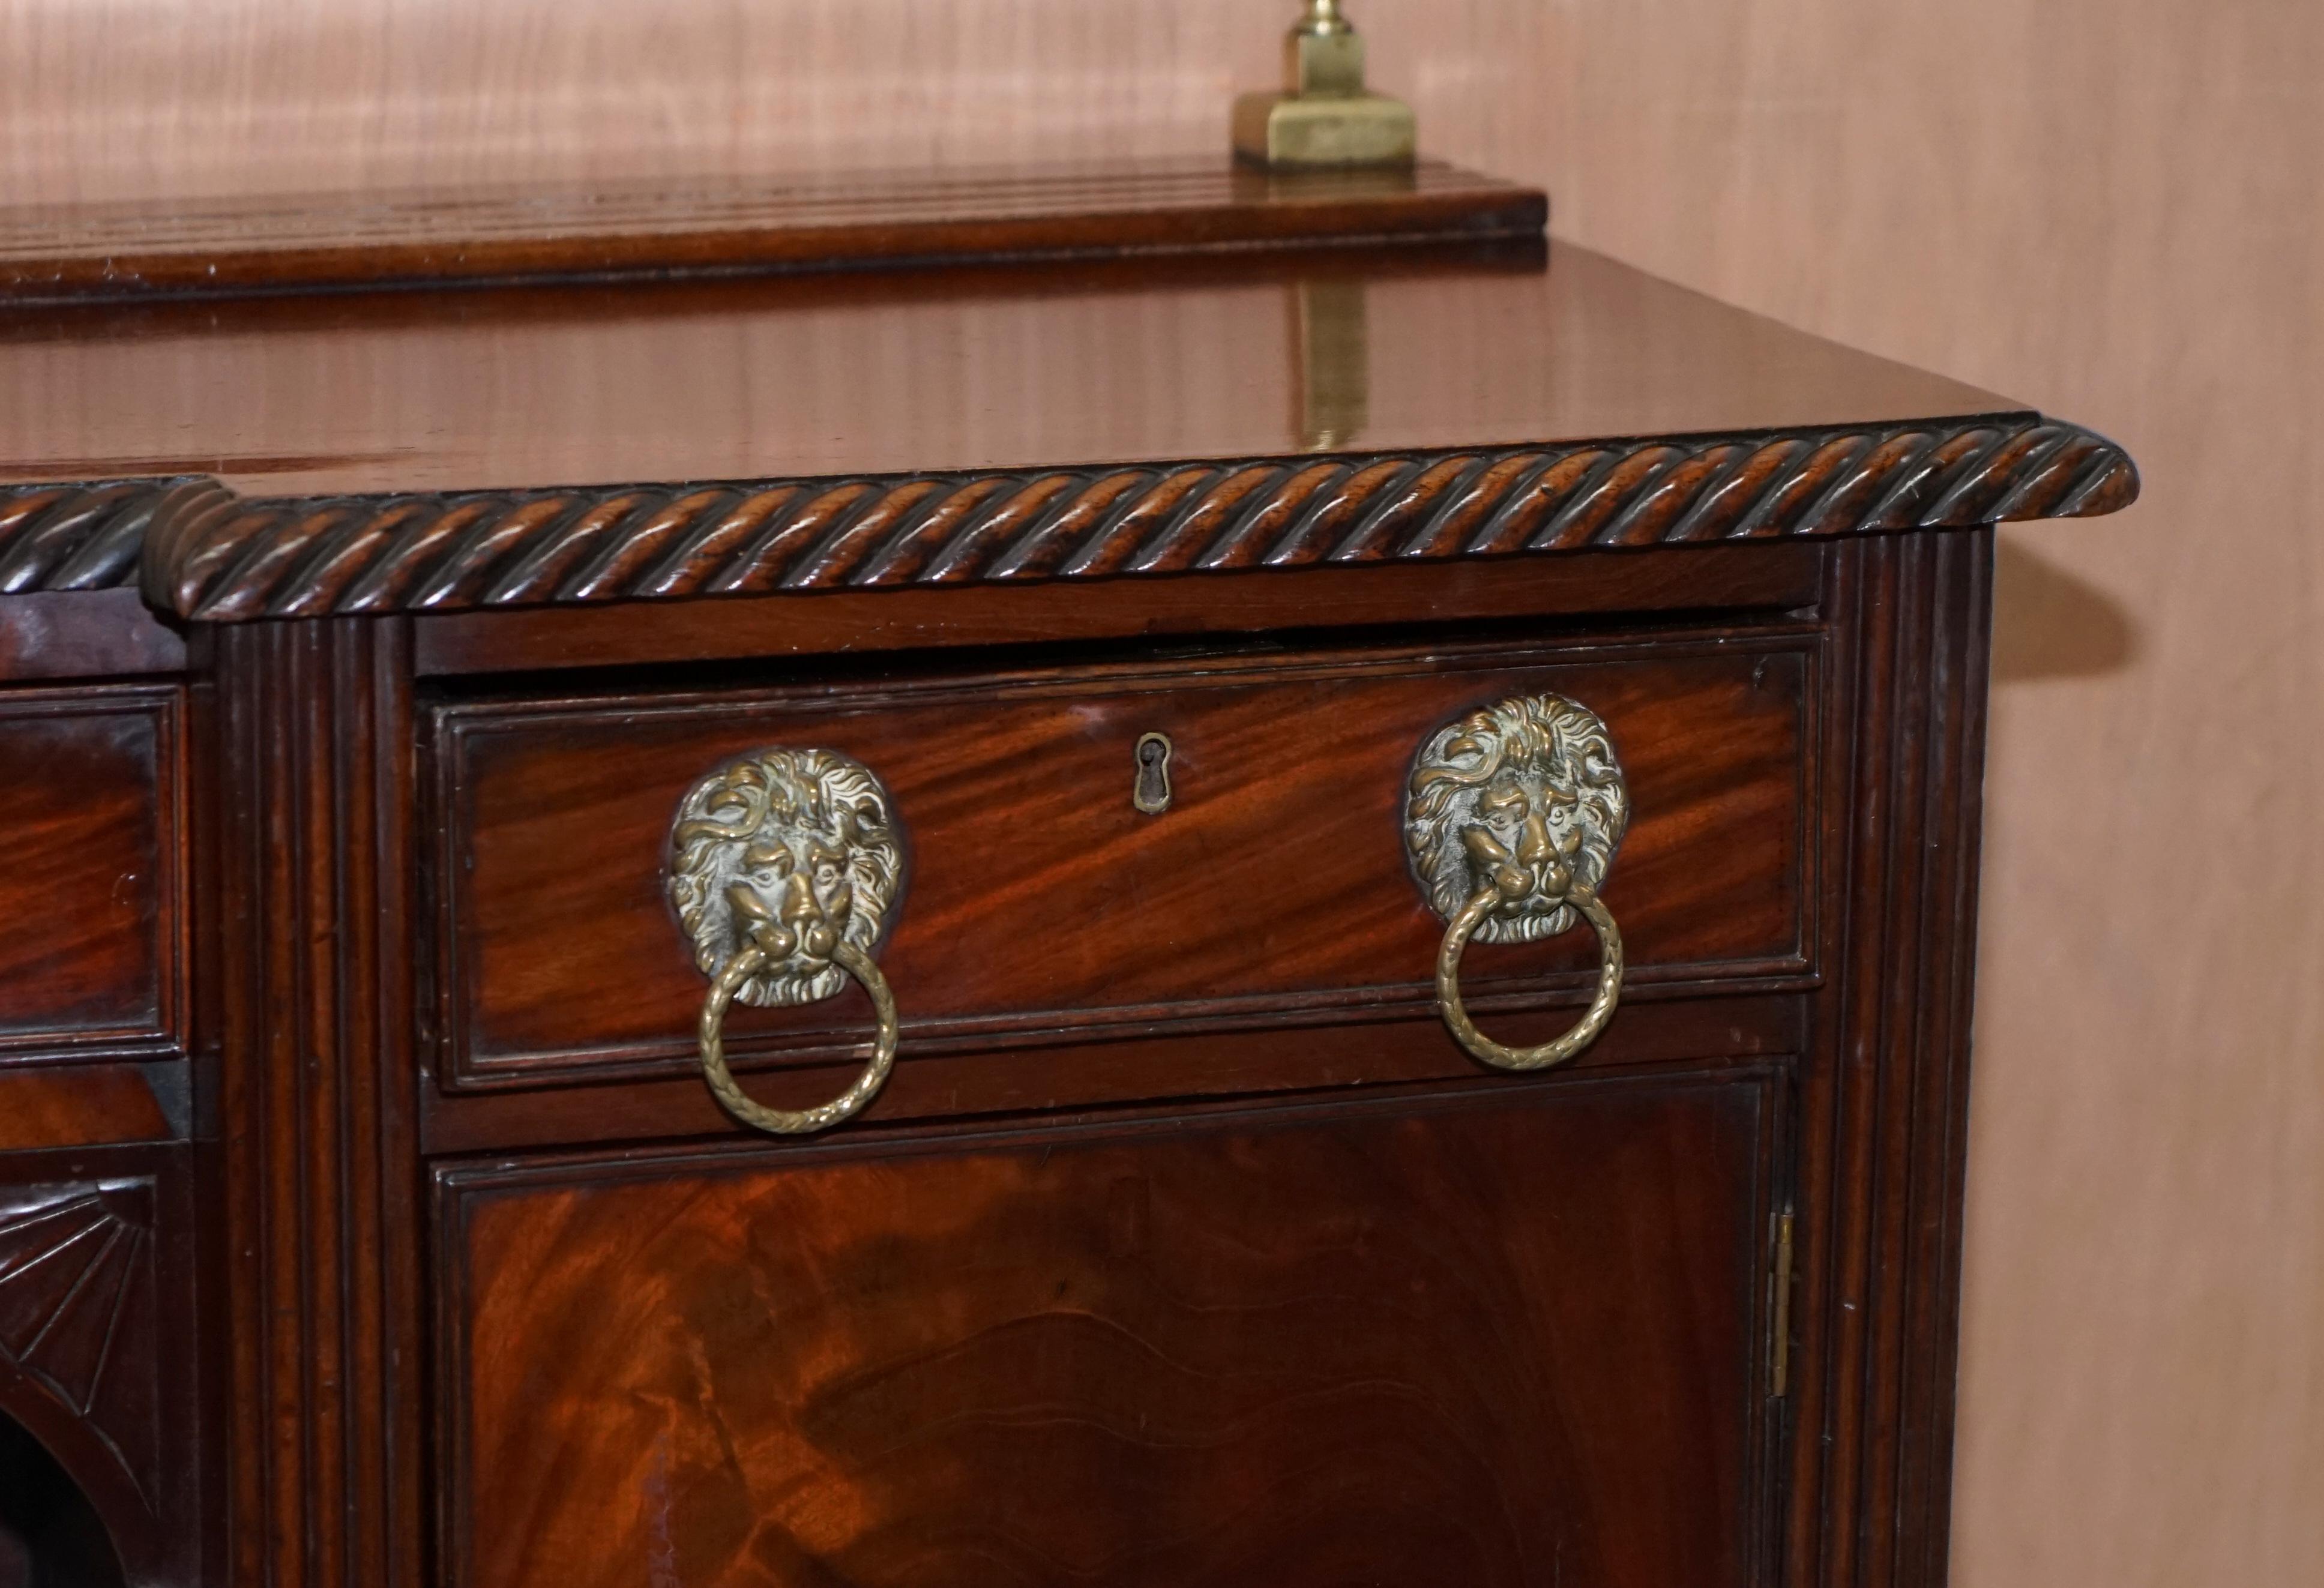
{"x":219,"y":558}
{"x":79,"y":536}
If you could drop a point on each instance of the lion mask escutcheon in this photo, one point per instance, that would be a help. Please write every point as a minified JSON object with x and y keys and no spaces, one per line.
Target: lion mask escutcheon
{"x":798,"y":848}
{"x":1527,"y":789}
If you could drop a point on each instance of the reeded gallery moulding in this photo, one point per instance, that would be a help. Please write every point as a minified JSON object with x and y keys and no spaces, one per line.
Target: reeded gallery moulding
{"x":203,"y":552}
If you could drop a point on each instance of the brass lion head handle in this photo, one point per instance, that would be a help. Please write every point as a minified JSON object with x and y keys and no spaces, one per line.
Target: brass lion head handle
{"x":784,"y":868}
{"x":1514,"y":815}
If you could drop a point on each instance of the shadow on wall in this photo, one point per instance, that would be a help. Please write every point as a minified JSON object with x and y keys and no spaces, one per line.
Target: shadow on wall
{"x":2049,"y":623}
{"x":50,"y":1535}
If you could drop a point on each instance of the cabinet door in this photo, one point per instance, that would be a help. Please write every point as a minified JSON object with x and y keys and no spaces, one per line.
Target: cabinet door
{"x":1502,"y":1336}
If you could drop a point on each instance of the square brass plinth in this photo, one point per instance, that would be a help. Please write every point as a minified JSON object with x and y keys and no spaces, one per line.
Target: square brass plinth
{"x":1293,"y":130}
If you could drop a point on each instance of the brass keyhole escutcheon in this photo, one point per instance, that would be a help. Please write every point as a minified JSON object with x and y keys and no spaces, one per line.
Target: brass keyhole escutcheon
{"x":1151,"y":792}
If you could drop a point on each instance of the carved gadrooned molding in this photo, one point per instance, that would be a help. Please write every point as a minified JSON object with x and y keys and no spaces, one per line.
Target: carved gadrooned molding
{"x":78,"y":537}
{"x":214,"y":556}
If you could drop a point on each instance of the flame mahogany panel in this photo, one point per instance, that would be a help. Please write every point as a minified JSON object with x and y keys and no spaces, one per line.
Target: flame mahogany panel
{"x":1041,"y":902}
{"x":1497,"y":1339}
{"x":90,"y":874}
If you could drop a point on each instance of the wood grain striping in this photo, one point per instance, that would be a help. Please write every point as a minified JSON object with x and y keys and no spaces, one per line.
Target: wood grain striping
{"x":1275,"y":886}
{"x":93,"y":929}
{"x":1343,"y":1344}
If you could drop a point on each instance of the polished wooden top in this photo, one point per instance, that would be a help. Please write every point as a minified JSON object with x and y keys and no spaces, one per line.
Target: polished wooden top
{"x":813,"y":221}
{"x":1051,"y":367}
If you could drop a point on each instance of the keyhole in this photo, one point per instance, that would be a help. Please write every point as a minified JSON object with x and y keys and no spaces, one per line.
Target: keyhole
{"x":1151,"y":793}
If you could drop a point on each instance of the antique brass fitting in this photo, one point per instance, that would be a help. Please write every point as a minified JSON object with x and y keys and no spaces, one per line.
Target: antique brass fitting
{"x":1515,"y":811}
{"x":1325,"y":116}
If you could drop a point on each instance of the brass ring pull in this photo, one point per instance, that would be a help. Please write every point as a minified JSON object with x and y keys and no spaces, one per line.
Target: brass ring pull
{"x":786,"y":866}
{"x":1585,"y":1031}
{"x":1515,"y":812}
{"x":748,"y":963}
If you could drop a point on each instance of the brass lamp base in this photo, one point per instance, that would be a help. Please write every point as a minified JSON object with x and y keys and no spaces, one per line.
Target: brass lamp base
{"x":1290,"y":131}
{"x":1325,"y":118}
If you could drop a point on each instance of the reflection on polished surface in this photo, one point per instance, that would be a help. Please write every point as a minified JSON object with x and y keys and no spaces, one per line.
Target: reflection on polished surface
{"x":1052,"y":367}
{"x":1335,"y":377}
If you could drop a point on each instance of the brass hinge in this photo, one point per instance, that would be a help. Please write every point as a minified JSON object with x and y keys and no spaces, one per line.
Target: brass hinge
{"x":1779,"y":1348}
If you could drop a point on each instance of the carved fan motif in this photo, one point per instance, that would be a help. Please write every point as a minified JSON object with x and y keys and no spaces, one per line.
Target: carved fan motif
{"x":75,"y":1284}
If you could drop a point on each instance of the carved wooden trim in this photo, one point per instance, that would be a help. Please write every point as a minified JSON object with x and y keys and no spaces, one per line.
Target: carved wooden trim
{"x":317,"y":1193}
{"x":77,"y":1311}
{"x":101,"y":1339}
{"x":78,"y":537}
{"x":216,"y":557}
{"x":1884,"y":1096}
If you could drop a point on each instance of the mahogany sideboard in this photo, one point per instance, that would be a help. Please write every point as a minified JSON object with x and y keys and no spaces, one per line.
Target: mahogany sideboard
{"x":1025,"y":745}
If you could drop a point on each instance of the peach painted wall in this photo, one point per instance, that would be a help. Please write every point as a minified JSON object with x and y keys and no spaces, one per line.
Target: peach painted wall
{"x":2108,"y":208}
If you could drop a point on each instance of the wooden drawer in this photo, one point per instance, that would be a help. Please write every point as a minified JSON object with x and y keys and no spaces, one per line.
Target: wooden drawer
{"x":1500,"y":1339}
{"x":1043,"y":906}
{"x":91,"y":875}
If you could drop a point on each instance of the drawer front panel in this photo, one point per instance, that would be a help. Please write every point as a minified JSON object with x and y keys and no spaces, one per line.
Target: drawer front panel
{"x":90,"y":934}
{"x":1501,"y":1340}
{"x":1042,"y":900}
